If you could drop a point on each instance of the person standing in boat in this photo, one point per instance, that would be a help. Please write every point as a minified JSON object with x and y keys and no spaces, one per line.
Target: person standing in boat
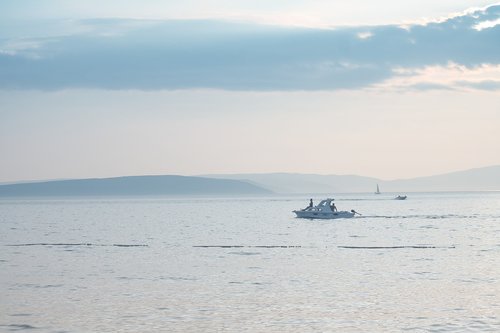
{"x":310,"y":205}
{"x":333,"y":207}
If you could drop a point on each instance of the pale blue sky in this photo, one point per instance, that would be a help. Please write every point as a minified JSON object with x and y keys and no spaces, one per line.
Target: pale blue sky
{"x":93,"y":89}
{"x":299,"y":12}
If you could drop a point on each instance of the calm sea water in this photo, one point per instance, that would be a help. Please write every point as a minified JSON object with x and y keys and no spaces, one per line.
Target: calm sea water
{"x":427,"y":264}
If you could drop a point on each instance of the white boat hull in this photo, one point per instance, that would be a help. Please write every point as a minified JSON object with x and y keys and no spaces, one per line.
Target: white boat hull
{"x":309,"y":214}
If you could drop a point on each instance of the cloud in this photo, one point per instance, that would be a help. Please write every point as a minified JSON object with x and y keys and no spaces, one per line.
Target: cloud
{"x":450,"y":77}
{"x":184,"y":54}
{"x":483,"y":85}
{"x":425,"y":86}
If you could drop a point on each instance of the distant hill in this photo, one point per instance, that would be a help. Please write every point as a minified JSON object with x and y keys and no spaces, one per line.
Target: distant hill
{"x":306,"y":183}
{"x":481,"y":179}
{"x":133,"y":186}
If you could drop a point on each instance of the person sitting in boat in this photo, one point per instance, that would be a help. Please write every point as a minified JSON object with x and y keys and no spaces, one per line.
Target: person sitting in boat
{"x":333,"y":207}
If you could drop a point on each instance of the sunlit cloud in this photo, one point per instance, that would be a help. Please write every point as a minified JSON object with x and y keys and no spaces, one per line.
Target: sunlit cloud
{"x":486,"y":24}
{"x":452,"y":77}
{"x":365,"y":35}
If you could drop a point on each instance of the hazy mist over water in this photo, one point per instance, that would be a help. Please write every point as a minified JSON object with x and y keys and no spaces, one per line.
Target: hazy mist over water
{"x":247,"y":264}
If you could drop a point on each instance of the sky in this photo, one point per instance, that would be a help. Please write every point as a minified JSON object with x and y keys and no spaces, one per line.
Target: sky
{"x":374,"y":88}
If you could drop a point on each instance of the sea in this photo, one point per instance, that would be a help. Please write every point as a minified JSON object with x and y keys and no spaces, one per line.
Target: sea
{"x":430,"y":263}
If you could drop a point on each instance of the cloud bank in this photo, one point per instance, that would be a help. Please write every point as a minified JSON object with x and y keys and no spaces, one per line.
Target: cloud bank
{"x":187,"y":54}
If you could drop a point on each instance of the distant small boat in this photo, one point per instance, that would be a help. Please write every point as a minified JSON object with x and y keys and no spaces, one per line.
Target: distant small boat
{"x":378,"y":190}
{"x":400,"y":197}
{"x":324,"y":210}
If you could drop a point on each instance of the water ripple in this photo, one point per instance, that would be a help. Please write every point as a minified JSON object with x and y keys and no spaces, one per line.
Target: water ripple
{"x":18,"y":327}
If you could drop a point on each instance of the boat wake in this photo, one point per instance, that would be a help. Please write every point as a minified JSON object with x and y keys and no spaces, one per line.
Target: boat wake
{"x":429,"y":217}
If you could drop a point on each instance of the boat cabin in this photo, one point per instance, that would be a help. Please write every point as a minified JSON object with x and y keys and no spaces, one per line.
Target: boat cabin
{"x":323,"y":206}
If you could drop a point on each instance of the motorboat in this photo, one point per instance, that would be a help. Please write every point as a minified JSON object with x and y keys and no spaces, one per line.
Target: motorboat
{"x":400,"y":197}
{"x":324,"y":210}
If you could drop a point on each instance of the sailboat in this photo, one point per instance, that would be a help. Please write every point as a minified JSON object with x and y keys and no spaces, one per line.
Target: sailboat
{"x":378,"y":190}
